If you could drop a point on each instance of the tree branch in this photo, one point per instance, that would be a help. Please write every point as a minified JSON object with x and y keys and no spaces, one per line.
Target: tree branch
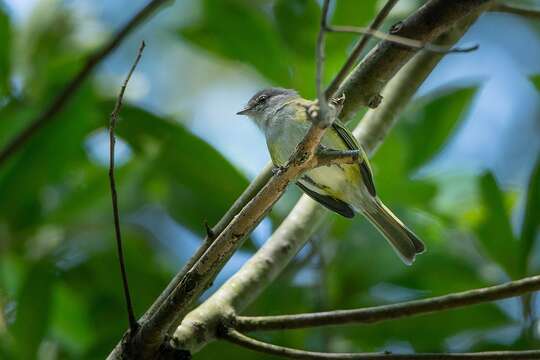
{"x":201,"y":324}
{"x":517,"y":10}
{"x":71,"y":88}
{"x":388,"y":312}
{"x":358,"y":48}
{"x":133,"y":326}
{"x":434,"y":18}
{"x":235,"y":337}
{"x":378,"y":122}
{"x":254,"y":187}
{"x":323,"y":105}
{"x":399,"y":40}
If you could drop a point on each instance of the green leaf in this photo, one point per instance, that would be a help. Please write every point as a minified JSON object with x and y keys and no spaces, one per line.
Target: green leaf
{"x":535,"y":79}
{"x":50,"y":158}
{"x":5,"y":51}
{"x":33,"y":305}
{"x":430,"y":128}
{"x":70,"y":319}
{"x":298,"y":24}
{"x":188,"y":176}
{"x":99,"y":300}
{"x":240,"y":30}
{"x":353,"y":12}
{"x":391,"y":175}
{"x":494,"y":229}
{"x":531,"y":218}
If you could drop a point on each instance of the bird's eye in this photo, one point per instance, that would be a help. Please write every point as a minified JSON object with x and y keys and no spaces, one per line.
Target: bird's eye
{"x":262,"y":99}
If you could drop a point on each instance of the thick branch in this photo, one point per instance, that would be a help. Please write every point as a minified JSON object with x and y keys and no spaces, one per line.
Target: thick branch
{"x":200,"y":325}
{"x":257,"y":345}
{"x":200,"y":276}
{"x":71,"y":88}
{"x":436,"y":17}
{"x":378,"y":122}
{"x":387,"y":312}
{"x":254,"y":187}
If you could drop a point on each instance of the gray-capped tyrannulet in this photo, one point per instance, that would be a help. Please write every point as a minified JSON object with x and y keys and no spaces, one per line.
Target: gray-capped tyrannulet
{"x":282,"y":115}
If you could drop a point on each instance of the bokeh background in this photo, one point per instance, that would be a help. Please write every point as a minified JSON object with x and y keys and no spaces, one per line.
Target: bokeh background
{"x":461,"y":167}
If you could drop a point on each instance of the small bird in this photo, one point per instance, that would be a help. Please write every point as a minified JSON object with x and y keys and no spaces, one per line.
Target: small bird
{"x":283,"y":117}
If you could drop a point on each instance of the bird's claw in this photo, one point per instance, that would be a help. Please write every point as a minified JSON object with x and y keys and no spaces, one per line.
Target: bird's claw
{"x":313,"y":111}
{"x":278,"y":170}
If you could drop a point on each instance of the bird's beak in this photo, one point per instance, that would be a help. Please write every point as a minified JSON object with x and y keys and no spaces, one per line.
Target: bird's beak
{"x":244,"y":111}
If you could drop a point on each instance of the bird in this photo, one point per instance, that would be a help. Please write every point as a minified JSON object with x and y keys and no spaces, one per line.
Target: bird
{"x":347,"y":189}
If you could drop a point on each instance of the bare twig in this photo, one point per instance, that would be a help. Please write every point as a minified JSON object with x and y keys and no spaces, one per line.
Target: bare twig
{"x":400,"y":40}
{"x":71,"y":88}
{"x":517,"y":10}
{"x":133,"y":325}
{"x":323,"y":105}
{"x":387,"y":312}
{"x":358,"y":48}
{"x":235,"y":337}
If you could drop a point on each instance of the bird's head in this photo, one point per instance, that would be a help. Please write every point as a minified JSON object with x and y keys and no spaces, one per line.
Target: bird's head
{"x":267,"y":100}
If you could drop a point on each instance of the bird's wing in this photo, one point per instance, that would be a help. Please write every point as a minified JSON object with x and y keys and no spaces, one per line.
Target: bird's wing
{"x":329,"y":202}
{"x":353,"y":144}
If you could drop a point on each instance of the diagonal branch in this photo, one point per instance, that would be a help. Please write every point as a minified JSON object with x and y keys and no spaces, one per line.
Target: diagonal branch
{"x":323,"y":105}
{"x":253,"y":189}
{"x":235,"y":337}
{"x":388,"y":312}
{"x":76,"y":82}
{"x":133,"y":326}
{"x":358,"y":48}
{"x":199,"y":277}
{"x":434,"y":18}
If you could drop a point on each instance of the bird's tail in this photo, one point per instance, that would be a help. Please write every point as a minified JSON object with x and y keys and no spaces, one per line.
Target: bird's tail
{"x":403,"y":240}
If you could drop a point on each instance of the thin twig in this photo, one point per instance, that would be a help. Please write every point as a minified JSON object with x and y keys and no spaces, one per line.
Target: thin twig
{"x":323,"y":117}
{"x":358,"y":48}
{"x":400,"y":40}
{"x":238,"y":338}
{"x":386,"y":312}
{"x":70,"y":89}
{"x":133,"y":325}
{"x":517,"y":10}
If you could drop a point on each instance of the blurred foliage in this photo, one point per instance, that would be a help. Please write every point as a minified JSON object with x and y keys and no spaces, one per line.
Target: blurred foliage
{"x":60,"y":293}
{"x":5,"y":52}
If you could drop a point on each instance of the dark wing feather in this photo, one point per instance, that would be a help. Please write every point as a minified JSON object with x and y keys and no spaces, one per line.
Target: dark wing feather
{"x":329,"y":202}
{"x":353,"y":144}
